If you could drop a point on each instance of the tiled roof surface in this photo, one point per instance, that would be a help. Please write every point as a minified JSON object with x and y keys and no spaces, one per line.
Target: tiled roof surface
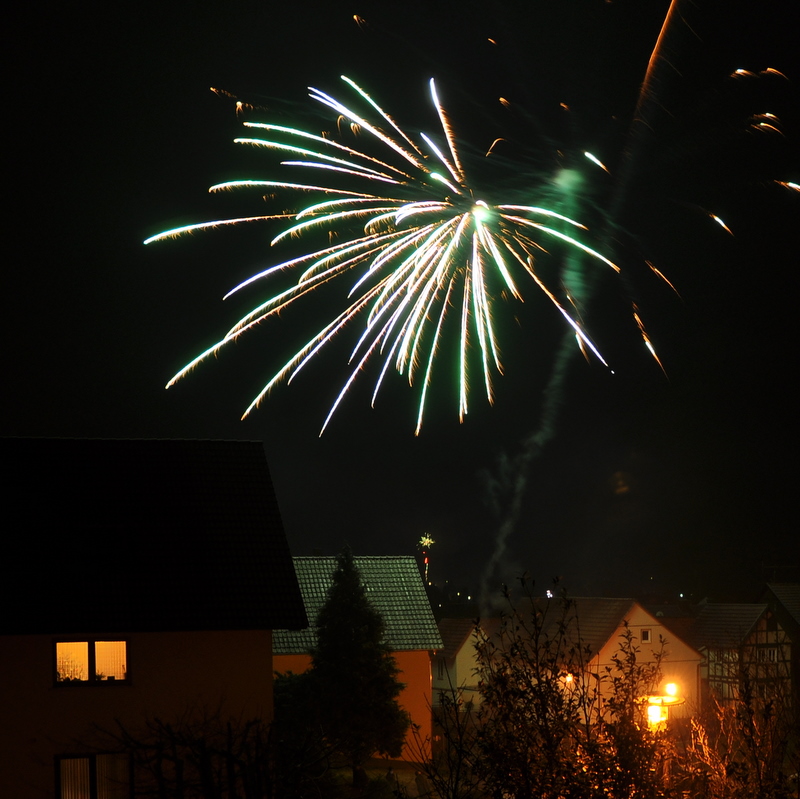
{"x":454,"y":632}
{"x":680,"y":626}
{"x":394,"y":586}
{"x":137,"y":535}
{"x":788,"y":595}
{"x":724,"y":625}
{"x":599,"y":619}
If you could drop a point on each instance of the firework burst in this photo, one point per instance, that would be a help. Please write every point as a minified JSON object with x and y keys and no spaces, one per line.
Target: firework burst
{"x":423,"y":248}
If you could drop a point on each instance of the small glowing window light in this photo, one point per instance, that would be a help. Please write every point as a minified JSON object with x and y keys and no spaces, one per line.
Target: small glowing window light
{"x":84,"y":661}
{"x":72,"y":661}
{"x":110,"y":660}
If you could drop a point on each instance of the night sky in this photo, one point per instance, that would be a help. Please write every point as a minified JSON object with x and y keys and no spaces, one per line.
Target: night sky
{"x":648,"y":484}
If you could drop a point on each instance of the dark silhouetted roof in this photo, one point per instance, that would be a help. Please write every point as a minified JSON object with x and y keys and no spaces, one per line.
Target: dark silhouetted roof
{"x":130,"y":535}
{"x":724,"y":625}
{"x":788,"y":596}
{"x":394,"y":586}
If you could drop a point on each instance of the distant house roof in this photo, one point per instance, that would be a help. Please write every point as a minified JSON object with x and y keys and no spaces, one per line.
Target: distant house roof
{"x":454,"y":632}
{"x":724,"y":625}
{"x":788,"y":596}
{"x":136,"y":535}
{"x":681,"y":626}
{"x":394,"y":586}
{"x":598,"y":619}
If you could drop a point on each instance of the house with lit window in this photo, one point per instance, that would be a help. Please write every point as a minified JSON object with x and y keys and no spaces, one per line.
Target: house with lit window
{"x":139,"y":580}
{"x":395,"y":589}
{"x":742,"y":644}
{"x":597,"y":625}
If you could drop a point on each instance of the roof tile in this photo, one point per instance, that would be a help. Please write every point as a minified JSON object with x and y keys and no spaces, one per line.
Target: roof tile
{"x":143,"y":535}
{"x":725,"y":625}
{"x":394,"y":586}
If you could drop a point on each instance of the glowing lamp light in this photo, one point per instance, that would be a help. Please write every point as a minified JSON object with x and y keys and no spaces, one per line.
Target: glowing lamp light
{"x":658,"y":706}
{"x":657,"y":714}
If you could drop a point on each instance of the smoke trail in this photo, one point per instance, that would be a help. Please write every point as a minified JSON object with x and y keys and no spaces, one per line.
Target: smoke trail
{"x":507,"y":490}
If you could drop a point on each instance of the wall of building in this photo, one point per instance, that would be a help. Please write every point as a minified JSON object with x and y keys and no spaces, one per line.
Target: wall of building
{"x":297,"y":664}
{"x":680,"y":664}
{"x":765,"y":656}
{"x":415,"y":698}
{"x":457,"y":672}
{"x":168,"y":675}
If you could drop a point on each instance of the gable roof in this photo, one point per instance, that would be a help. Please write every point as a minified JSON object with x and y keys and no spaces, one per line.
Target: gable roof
{"x":599,"y":619}
{"x":143,"y":535}
{"x":394,"y":586}
{"x":788,"y":596}
{"x":455,"y":633}
{"x":721,"y":625}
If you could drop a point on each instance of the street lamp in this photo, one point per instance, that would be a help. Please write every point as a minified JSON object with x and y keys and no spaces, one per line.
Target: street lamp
{"x":658,"y":706}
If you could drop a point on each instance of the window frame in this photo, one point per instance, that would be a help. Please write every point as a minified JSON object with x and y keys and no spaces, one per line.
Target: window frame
{"x":767,"y":655}
{"x":91,"y":643}
{"x":91,"y":759}
{"x":646,"y":635}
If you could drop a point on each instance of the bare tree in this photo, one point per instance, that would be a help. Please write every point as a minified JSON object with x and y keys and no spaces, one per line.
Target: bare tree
{"x":747,"y":748}
{"x":198,"y":755}
{"x":448,"y":761}
{"x":551,"y":728}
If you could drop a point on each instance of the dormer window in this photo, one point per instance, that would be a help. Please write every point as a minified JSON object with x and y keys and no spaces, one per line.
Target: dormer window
{"x":91,"y":661}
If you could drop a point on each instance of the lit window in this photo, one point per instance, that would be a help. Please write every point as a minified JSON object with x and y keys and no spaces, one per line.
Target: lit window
{"x":72,"y":661}
{"x":85,"y":661}
{"x":94,"y":777}
{"x":645,"y":636}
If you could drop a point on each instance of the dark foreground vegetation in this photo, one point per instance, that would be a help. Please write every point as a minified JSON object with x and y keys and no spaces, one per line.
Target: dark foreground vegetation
{"x":545,"y":728}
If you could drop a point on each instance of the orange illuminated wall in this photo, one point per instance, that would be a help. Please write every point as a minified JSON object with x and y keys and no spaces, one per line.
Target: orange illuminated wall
{"x":415,"y":698}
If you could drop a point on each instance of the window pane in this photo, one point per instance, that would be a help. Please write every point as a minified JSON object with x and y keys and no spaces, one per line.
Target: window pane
{"x":110,"y":660}
{"x":72,"y":661}
{"x":75,"y":778}
{"x":113,"y":777}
